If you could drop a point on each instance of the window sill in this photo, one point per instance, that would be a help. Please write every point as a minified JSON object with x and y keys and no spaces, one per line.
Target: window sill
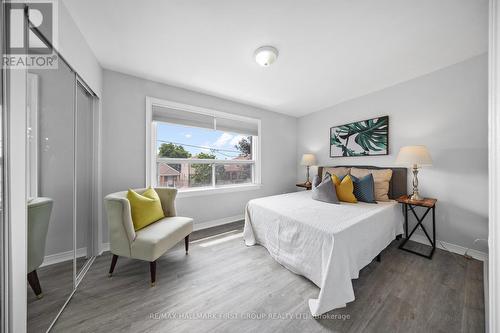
{"x":217,"y":190}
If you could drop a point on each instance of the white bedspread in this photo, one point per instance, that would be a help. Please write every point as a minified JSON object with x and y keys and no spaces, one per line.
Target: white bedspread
{"x":328,"y":244}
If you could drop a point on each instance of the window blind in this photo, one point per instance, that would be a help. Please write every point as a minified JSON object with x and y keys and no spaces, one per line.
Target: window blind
{"x":182,"y":117}
{"x":187,"y":118}
{"x":236,"y":126}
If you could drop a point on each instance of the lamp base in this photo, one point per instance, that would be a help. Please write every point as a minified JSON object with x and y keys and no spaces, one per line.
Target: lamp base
{"x":416,"y":197}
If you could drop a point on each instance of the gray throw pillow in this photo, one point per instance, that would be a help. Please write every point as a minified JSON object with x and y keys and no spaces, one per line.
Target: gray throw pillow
{"x":325,"y":192}
{"x":316,"y":181}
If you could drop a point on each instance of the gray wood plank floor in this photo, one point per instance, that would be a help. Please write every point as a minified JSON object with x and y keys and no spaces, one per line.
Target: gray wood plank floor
{"x":57,"y":284}
{"x":403,"y":293}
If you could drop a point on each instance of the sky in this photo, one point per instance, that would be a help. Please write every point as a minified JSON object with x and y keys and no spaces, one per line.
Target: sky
{"x":201,"y":137}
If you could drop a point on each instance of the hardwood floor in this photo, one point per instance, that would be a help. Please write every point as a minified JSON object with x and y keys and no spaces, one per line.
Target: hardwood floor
{"x":224,"y":286}
{"x":57,"y":284}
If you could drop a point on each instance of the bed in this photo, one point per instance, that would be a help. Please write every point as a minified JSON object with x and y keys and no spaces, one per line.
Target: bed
{"x":326,"y":243}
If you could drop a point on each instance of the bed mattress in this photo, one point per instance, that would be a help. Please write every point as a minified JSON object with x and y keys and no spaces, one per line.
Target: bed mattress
{"x":327,"y":243}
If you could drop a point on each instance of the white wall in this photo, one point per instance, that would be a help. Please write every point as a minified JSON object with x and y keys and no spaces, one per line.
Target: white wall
{"x":446,"y":111}
{"x":74,"y":48}
{"x":124,"y":145}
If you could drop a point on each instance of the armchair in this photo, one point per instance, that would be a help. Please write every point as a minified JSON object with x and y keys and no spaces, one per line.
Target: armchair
{"x":39,"y":210}
{"x":148,"y":243}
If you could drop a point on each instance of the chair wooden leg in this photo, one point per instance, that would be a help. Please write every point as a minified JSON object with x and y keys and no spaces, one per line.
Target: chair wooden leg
{"x":35,"y":284}
{"x":379,"y":258}
{"x":186,"y":243}
{"x":113,"y":264}
{"x":152,"y":269}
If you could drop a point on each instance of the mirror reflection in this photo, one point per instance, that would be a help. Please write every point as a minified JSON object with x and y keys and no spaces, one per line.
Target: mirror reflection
{"x":60,"y":183}
{"x":84,"y":162}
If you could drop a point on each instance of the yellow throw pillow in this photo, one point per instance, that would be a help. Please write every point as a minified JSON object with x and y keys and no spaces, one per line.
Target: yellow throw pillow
{"x":146,"y":208}
{"x":345,"y":189}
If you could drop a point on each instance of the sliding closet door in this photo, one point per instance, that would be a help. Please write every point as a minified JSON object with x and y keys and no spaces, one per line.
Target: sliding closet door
{"x":3,"y":309}
{"x":84,"y":164}
{"x":51,"y":209}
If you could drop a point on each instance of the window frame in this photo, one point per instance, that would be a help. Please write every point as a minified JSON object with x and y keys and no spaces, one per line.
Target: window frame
{"x":151,"y":150}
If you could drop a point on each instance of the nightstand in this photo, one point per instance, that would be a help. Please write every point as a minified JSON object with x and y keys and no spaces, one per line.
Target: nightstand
{"x":307,"y":187}
{"x":427,"y":203}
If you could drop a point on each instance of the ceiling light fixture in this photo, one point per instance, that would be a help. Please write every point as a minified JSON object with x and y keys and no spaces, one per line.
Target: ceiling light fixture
{"x":266,"y":55}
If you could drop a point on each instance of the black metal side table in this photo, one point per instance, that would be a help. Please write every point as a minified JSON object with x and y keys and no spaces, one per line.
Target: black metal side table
{"x":429,"y":204}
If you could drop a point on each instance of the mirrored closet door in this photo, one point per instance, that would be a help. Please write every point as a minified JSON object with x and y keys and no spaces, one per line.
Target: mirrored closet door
{"x":51,"y":206}
{"x":84,"y":176}
{"x":60,"y":180}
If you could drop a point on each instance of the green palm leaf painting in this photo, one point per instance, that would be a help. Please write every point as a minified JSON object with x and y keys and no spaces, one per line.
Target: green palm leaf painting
{"x":362,"y":138}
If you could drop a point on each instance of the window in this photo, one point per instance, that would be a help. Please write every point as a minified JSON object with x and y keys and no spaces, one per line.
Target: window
{"x":193,"y":148}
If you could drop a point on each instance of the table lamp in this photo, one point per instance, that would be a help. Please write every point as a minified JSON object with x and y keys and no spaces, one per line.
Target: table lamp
{"x":415,"y":157}
{"x":308,"y":160}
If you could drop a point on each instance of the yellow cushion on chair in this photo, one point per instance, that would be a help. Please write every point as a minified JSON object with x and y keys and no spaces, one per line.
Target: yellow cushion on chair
{"x":345,"y":189}
{"x":145,"y":208}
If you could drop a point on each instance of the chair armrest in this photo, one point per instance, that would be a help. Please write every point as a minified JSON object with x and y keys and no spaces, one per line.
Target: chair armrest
{"x":121,"y":227}
{"x":39,"y":211}
{"x":167,"y":197}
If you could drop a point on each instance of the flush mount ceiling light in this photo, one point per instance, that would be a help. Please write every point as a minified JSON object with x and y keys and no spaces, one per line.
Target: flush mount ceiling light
{"x":266,"y":55}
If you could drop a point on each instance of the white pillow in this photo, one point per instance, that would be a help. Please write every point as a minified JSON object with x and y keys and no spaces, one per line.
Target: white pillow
{"x":338,"y":171}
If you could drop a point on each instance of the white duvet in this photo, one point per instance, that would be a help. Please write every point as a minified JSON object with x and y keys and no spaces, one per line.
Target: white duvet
{"x":327,"y":243}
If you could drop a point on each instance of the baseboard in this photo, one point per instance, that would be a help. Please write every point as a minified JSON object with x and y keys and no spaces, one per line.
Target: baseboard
{"x":197,"y":226}
{"x":214,"y":223}
{"x":63,"y":256}
{"x":104,"y":247}
{"x":451,"y":247}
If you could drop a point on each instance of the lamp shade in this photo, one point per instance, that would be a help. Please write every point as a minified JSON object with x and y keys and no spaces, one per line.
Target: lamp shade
{"x":414,"y":155}
{"x":308,"y":159}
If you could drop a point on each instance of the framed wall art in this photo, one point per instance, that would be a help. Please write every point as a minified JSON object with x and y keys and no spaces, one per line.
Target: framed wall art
{"x":362,"y":138}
